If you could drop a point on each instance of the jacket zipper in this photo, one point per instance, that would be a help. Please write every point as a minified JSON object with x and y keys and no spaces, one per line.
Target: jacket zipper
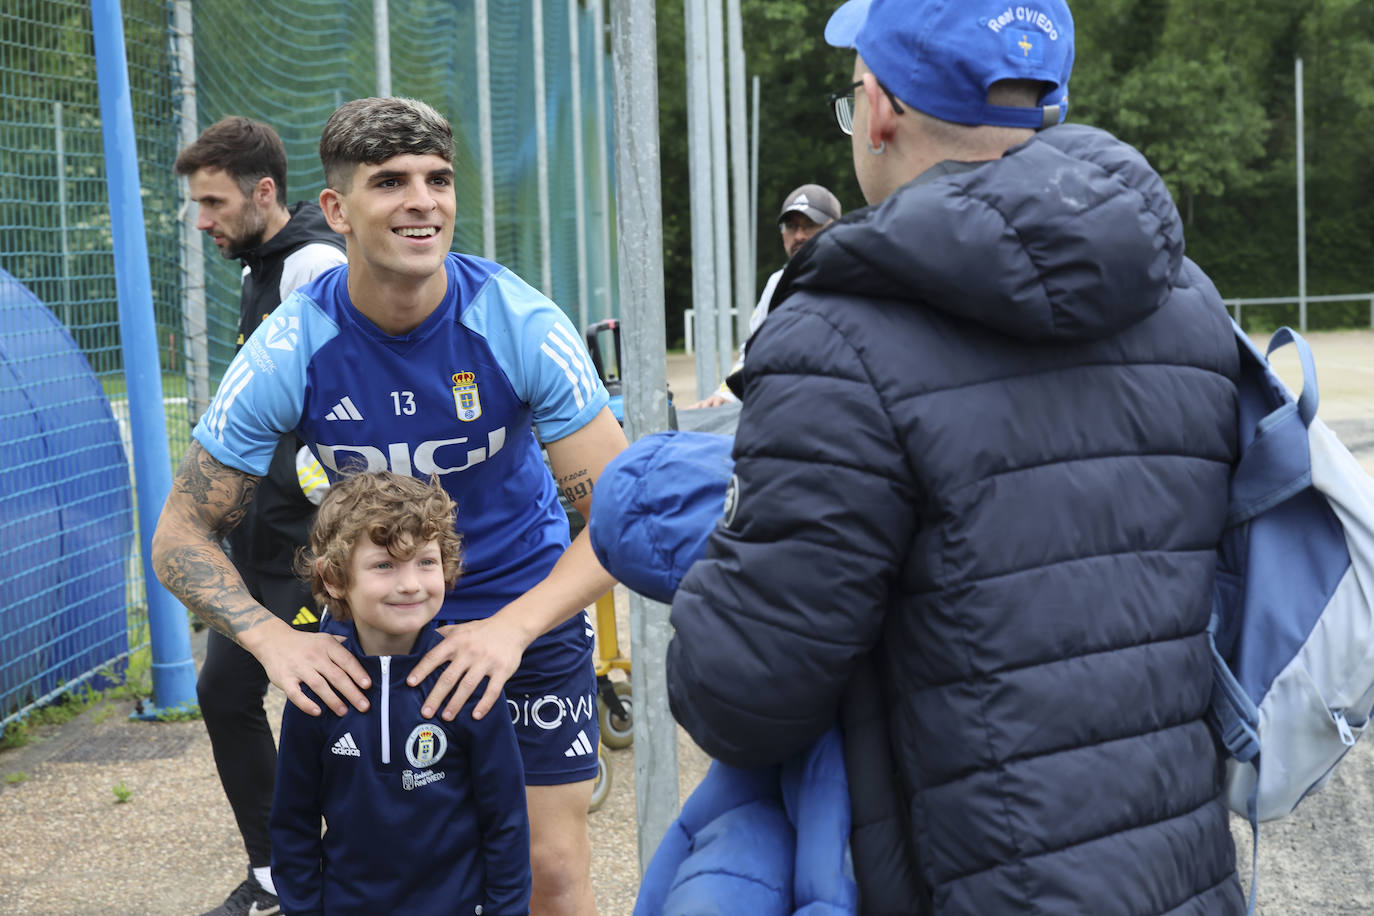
{"x":386,"y":708}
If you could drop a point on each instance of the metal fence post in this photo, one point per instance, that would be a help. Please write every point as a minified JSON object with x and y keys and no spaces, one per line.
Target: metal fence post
{"x":753,"y":201}
{"x":640,"y":211}
{"x":541,"y":148}
{"x":59,"y":134}
{"x":739,"y":172}
{"x":720,"y":186}
{"x":483,"y":50}
{"x":1302,"y":201}
{"x":579,"y":166}
{"x":381,"y":28}
{"x":195,"y":325}
{"x":603,"y":157}
{"x":700,"y":179}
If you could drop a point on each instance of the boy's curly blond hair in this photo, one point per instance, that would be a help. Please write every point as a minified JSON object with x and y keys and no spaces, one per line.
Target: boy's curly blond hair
{"x":391,"y":510}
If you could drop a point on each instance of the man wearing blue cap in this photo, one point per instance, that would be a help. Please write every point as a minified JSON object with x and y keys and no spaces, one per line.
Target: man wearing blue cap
{"x":989,"y":553}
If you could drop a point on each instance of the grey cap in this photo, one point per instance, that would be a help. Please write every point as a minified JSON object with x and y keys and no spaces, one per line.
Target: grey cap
{"x":814,"y":202}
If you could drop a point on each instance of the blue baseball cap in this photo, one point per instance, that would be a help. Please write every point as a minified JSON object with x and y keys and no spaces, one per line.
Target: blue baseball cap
{"x":942,"y":56}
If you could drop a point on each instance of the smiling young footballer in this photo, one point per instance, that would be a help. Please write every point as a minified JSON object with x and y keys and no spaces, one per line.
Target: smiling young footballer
{"x":425,"y":362}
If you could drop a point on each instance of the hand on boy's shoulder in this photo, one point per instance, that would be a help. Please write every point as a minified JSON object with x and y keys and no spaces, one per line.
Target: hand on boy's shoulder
{"x":295,"y":660}
{"x":474,"y":660}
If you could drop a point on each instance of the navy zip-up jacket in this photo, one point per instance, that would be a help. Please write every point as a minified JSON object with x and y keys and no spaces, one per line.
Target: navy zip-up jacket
{"x":425,"y":817}
{"x":983,"y":460}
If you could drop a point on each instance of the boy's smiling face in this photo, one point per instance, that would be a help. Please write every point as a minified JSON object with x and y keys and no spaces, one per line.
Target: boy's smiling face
{"x":391,"y":599}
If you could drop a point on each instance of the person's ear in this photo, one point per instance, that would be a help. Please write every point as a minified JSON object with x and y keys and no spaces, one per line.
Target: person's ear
{"x":882,"y":120}
{"x":335,"y":212}
{"x":333,"y":590}
{"x":265,"y":192}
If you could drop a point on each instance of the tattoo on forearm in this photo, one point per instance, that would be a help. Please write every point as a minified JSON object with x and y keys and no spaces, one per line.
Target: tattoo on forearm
{"x":211,"y":588}
{"x":207,"y":500}
{"x":575,"y":486}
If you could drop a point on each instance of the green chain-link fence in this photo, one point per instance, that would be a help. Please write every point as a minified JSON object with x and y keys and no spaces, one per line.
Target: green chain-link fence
{"x":289,"y":63}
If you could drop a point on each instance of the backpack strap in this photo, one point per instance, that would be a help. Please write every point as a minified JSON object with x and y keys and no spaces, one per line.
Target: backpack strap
{"x":1307,"y":399}
{"x":1232,"y":714}
{"x":1277,"y":463}
{"x":1252,"y":812}
{"x":1234,"y":718}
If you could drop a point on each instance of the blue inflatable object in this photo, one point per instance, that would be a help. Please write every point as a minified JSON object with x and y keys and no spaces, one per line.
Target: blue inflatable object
{"x":66,"y":514}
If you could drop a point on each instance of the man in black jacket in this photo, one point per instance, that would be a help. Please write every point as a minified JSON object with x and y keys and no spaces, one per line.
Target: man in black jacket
{"x":981,"y":475}
{"x":236,"y":173}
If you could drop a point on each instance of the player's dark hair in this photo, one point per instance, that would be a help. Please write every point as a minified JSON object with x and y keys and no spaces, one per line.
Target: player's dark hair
{"x":371,"y":131}
{"x":246,"y":150}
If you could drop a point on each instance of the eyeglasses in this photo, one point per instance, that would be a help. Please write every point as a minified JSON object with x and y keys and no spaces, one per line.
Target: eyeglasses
{"x":842,"y":105}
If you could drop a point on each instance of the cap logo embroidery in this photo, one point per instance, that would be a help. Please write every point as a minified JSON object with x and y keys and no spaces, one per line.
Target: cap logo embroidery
{"x":1030,"y":51}
{"x":969,"y":47}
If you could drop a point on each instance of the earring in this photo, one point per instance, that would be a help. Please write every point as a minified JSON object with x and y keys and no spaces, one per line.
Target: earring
{"x":882,"y":147}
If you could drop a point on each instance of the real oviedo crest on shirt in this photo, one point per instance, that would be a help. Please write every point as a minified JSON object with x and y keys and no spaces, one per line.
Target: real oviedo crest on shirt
{"x":465,"y":398}
{"x":426,"y":745}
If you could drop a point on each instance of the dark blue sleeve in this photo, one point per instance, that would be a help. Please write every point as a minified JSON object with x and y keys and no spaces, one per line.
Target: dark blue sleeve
{"x":795,"y":586}
{"x":294,"y":824}
{"x":498,"y":789}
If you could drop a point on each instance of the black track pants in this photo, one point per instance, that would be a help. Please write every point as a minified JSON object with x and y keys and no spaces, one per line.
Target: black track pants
{"x":231,"y":688}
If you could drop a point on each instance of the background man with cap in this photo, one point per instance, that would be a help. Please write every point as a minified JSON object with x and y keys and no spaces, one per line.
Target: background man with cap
{"x":988,"y":553}
{"x":805,"y":211}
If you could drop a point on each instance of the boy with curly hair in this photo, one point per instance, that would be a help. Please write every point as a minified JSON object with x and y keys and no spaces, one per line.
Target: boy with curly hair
{"x":423,"y":815}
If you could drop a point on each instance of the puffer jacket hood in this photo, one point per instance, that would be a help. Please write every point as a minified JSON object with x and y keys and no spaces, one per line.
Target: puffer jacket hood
{"x":1070,"y":236}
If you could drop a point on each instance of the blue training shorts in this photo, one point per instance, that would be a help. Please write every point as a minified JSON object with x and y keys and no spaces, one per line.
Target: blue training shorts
{"x":556,"y":724}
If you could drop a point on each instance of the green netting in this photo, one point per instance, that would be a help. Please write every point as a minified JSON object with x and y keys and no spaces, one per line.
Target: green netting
{"x":289,"y":63}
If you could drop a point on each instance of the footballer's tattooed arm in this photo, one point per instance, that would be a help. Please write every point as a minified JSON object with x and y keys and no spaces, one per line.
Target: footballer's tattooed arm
{"x":206,"y":501}
{"x":576,"y":486}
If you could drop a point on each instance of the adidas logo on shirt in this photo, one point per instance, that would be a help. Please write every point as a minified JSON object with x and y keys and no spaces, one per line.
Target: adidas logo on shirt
{"x":581,"y":747}
{"x":344,"y":410}
{"x":345,"y":747}
{"x":304,"y":617}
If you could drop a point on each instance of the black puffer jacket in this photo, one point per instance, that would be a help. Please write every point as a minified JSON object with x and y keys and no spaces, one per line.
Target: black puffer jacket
{"x":985,"y":442}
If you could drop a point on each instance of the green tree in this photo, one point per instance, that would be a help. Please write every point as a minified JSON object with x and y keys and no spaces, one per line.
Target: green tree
{"x":798,"y":139}
{"x":1203,"y":88}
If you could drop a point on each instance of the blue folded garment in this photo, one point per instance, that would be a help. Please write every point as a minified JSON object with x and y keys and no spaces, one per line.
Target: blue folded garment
{"x":656,"y":505}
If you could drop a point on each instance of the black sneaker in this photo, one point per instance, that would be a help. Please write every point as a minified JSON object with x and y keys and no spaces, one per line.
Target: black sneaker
{"x":248,"y":899}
